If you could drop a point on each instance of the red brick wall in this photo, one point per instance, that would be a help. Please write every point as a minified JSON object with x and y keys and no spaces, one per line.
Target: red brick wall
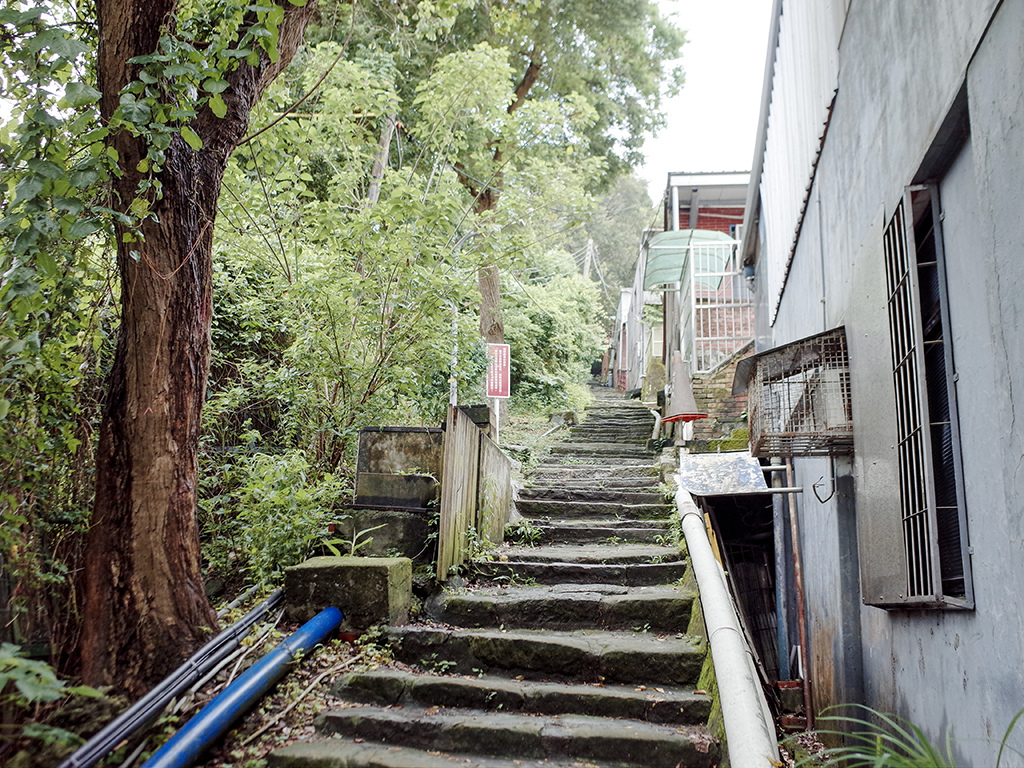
{"x":715,"y":219}
{"x":713,"y":393}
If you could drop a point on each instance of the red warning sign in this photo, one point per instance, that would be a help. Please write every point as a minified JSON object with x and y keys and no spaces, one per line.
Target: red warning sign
{"x":498,"y":370}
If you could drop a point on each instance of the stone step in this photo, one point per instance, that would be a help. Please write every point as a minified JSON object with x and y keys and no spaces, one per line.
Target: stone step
{"x":567,"y":606}
{"x":566,"y":510}
{"x":585,"y":450}
{"x":574,"y":532}
{"x":400,"y":688}
{"x":612,"y":425}
{"x":592,"y":494}
{"x":595,"y":471}
{"x":616,"y":424}
{"x":584,"y":655}
{"x":643,"y":484}
{"x":632,"y":437}
{"x":602,"y":554}
{"x":339,"y":753}
{"x":536,"y":738}
{"x":605,"y":412}
{"x":516,"y":571}
{"x":609,"y":462}
{"x":609,"y":425}
{"x":590,"y":531}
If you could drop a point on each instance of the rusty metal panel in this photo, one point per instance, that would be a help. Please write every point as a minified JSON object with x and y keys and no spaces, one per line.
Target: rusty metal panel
{"x":799,"y":398}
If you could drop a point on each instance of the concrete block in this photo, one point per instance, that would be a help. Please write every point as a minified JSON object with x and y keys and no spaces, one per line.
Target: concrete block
{"x":377,"y":489}
{"x":368,"y":590}
{"x":404,"y":533}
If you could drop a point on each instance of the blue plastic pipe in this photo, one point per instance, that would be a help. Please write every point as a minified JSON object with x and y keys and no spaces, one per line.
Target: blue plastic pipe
{"x":143,"y":712}
{"x":213,"y":720}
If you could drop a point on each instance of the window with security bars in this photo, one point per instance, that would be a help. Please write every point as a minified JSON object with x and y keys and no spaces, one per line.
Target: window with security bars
{"x":930,"y":474}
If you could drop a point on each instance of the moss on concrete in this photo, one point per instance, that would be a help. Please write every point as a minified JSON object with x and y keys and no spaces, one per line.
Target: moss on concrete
{"x":368,"y":590}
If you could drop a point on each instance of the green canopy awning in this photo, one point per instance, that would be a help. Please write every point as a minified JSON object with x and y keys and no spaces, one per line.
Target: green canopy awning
{"x":668,"y":254}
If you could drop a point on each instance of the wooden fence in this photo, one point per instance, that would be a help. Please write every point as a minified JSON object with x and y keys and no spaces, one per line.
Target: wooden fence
{"x":476,"y":491}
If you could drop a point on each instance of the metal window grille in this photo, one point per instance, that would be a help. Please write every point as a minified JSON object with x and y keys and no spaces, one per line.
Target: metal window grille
{"x":721,"y":307}
{"x":799,"y":398}
{"x":932,"y":506}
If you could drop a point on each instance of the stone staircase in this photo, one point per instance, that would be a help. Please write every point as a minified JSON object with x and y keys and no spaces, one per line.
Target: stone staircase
{"x":575,"y":654}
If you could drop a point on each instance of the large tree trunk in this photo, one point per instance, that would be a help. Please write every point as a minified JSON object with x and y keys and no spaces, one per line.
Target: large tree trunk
{"x":142,"y":599}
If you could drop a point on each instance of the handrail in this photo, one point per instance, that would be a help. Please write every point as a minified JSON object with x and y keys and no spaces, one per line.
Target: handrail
{"x":749,"y":728}
{"x":145,"y":710}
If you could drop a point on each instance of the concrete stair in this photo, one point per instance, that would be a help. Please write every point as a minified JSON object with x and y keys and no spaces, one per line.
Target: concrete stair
{"x":493,"y":693}
{"x":562,"y":510}
{"x":568,"y":606}
{"x":572,"y":649}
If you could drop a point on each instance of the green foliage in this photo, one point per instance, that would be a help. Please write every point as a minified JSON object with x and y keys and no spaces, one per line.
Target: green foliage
{"x":358,"y":541}
{"x":880,"y":740}
{"x":551,"y":325}
{"x":26,"y":684}
{"x":330,"y":312}
{"x":57,"y":221}
{"x":265,"y":512}
{"x":616,"y":227}
{"x":523,"y":531}
{"x":54,"y":300}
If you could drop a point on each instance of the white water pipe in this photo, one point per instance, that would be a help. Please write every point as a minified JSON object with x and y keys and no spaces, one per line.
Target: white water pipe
{"x":749,"y":727}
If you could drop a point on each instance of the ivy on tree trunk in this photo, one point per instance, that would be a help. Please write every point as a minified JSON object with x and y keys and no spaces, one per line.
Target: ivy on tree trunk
{"x":142,"y":599}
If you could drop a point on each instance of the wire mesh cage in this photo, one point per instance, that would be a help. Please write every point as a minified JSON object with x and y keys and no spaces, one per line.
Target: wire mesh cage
{"x":799,"y":398}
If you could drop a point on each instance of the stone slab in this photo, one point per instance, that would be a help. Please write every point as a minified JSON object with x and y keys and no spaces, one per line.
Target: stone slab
{"x":515,"y":571}
{"x":624,"y":657}
{"x":404,"y":533}
{"x":535,"y":738}
{"x":345,"y":753}
{"x":368,"y":590}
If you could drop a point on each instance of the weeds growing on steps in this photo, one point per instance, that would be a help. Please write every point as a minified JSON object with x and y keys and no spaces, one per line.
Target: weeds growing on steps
{"x":524,"y":532}
{"x":880,"y":740}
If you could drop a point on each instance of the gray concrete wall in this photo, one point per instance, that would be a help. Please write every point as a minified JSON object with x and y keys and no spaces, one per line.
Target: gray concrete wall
{"x":901,"y":65}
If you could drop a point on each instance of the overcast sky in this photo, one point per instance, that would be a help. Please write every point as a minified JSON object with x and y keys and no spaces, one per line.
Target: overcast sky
{"x":712,"y":123}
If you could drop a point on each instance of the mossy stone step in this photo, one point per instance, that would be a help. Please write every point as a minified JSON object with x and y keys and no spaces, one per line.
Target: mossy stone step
{"x":556,"y":493}
{"x":644,"y":484}
{"x":605,"y":554}
{"x":604,"y":461}
{"x":623,"y":532}
{"x":347,"y":753}
{"x":594,"y":471}
{"x":584,"y":655}
{"x":396,"y":687}
{"x":568,"y":606}
{"x":565,"y":510}
{"x":626,"y":742}
{"x":516,"y":571}
{"x":584,"y":450}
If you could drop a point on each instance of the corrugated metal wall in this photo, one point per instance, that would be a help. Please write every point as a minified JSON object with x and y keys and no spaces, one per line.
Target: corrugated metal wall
{"x":804,"y":80}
